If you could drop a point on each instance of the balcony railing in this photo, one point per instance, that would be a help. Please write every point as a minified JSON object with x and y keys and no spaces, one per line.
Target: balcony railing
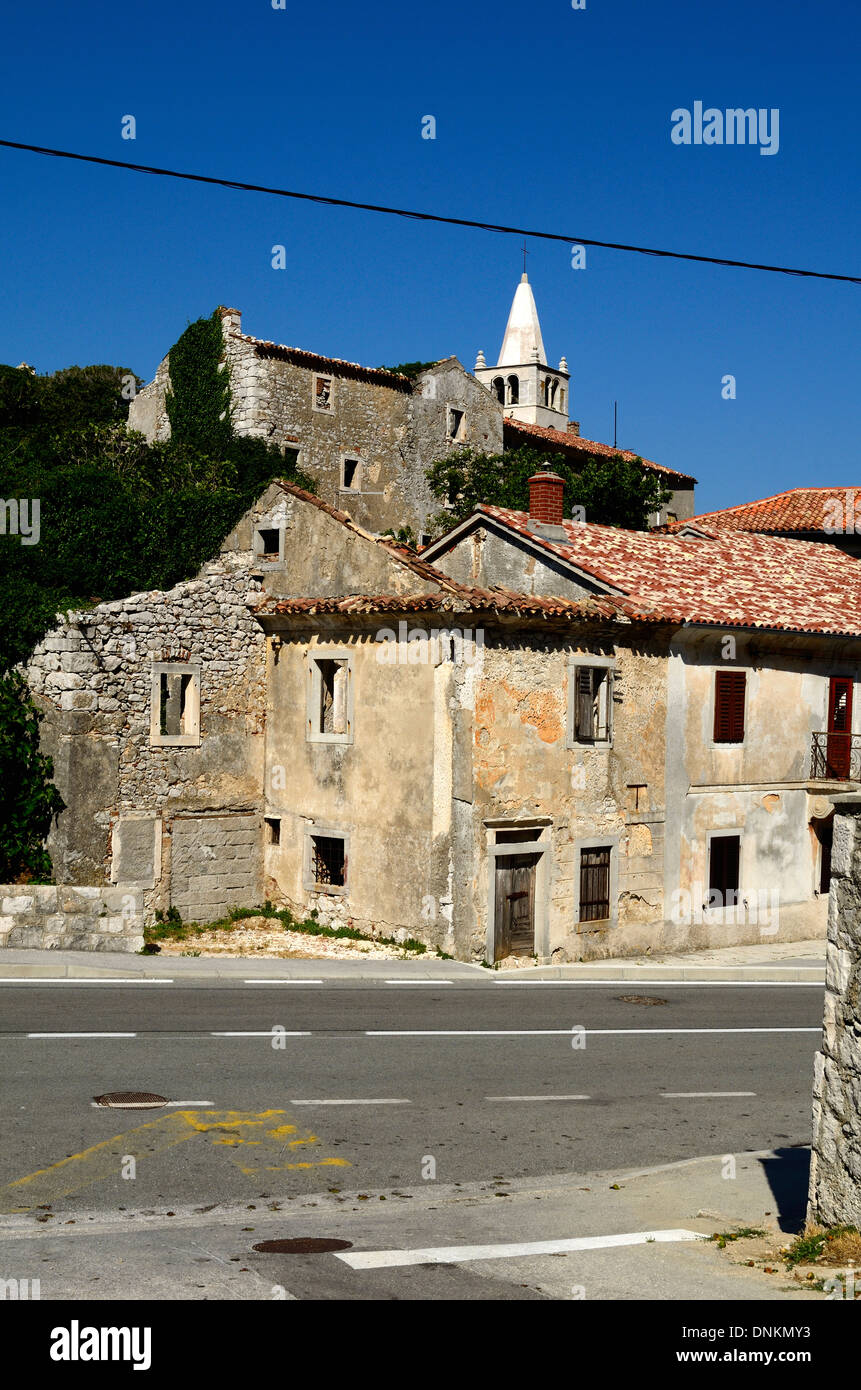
{"x":835,"y":758}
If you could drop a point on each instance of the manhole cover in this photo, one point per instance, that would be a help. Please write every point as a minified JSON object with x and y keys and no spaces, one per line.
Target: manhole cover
{"x":304,"y":1245}
{"x":639,"y":999}
{"x":130,"y":1100}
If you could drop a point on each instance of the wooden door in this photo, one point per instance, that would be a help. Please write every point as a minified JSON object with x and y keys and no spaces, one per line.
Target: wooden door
{"x":514,"y":918}
{"x":839,"y":727}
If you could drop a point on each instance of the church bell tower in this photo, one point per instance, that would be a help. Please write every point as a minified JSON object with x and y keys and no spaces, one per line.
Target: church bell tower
{"x":525,"y":386}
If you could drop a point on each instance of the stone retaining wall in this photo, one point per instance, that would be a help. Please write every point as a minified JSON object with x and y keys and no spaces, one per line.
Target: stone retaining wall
{"x":835,"y":1173}
{"x":71,"y":919}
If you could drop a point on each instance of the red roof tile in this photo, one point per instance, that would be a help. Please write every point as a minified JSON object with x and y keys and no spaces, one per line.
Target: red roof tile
{"x":497,"y":601}
{"x":336,"y":365}
{"x":800,"y":510}
{"x":742,"y":580}
{"x":575,"y":444}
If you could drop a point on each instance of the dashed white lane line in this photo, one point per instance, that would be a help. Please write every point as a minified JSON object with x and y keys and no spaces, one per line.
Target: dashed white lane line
{"x":89,"y":980}
{"x":276,"y":1032}
{"x":703,"y":1095}
{"x":455,"y":1254}
{"x":563,"y":1032}
{"x":82,"y":1035}
{"x":537,"y":1097}
{"x":282,"y":982}
{"x":420,"y":982}
{"x":378,"y":1100}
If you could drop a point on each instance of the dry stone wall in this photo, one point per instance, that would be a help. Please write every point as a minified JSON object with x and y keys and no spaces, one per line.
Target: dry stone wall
{"x":835,"y":1175}
{"x":71,"y":919}
{"x":93,"y":677}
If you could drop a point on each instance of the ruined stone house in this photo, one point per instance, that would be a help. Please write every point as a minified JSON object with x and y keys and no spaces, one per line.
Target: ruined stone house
{"x":537,"y":738}
{"x":367,"y":435}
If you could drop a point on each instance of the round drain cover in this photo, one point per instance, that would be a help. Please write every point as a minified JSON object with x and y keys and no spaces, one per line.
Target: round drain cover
{"x":131,"y":1100}
{"x":639,"y":999}
{"x":304,"y":1245}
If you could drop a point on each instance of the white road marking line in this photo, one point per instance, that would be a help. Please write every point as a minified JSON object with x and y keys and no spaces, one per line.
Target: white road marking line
{"x":276,"y":1032}
{"x":352,"y":1101}
{"x":185,"y":1104}
{"x":562,"y":1032}
{"x":537,"y":1097}
{"x":282,"y":982}
{"x":681,"y":984}
{"x":697,"y":1095}
{"x":88,"y":980}
{"x":419,"y":982}
{"x":455,"y":1254}
{"x":82,"y":1035}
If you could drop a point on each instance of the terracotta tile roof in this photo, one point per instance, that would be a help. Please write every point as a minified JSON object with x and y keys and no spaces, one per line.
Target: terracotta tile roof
{"x":738,"y":580}
{"x":800,"y":510}
{"x":336,"y":365}
{"x":497,"y":601}
{"x":575,"y":444}
{"x":450,"y":595}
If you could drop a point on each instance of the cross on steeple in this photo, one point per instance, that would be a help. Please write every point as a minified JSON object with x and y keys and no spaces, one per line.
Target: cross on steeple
{"x":525,"y":254}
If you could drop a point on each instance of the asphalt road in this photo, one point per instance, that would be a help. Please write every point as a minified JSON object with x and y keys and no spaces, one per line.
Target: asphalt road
{"x":476,"y":1082}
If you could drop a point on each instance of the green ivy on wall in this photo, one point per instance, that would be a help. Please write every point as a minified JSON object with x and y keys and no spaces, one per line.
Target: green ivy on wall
{"x":198,"y":403}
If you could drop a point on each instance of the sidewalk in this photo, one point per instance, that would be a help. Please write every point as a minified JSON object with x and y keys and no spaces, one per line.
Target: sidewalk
{"x":191,"y":1252}
{"x":776,"y":962}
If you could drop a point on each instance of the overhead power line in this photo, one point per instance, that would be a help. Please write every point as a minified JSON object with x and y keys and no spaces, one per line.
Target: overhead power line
{"x":429,"y":216}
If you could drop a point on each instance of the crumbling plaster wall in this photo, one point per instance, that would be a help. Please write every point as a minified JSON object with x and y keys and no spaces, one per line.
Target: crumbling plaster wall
{"x":486,"y":558}
{"x":523,"y":769}
{"x":759,"y":787}
{"x":386,"y":789}
{"x":835,"y":1167}
{"x":320,"y":558}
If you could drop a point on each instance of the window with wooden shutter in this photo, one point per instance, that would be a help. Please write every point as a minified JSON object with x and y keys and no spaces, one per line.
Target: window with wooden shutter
{"x":592,"y":704}
{"x":729,"y":706}
{"x":724,"y":859}
{"x":595,"y":884}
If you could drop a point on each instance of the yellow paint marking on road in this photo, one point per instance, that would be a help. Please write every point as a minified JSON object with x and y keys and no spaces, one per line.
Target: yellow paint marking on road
{"x":48,"y":1185}
{"x":232,"y":1129}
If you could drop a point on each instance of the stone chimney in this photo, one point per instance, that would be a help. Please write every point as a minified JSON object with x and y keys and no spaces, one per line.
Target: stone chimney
{"x":545,"y":503}
{"x":231,"y":320}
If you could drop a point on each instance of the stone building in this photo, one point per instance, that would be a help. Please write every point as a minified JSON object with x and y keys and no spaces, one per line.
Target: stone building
{"x":537,"y":738}
{"x":835,"y":1161}
{"x":756,"y":703}
{"x":367,"y":435}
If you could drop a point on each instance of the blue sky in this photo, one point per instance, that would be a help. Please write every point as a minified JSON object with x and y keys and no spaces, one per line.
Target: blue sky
{"x":547,"y":117}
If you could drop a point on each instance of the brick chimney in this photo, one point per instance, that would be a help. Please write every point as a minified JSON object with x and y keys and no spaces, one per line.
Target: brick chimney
{"x":545,"y":500}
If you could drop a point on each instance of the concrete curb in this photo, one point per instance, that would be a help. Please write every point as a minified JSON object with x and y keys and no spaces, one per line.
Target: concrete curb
{"x":104,"y":965}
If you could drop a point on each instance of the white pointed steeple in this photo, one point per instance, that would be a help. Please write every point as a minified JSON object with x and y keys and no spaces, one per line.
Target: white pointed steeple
{"x":525,"y":386}
{"x":523,"y":331}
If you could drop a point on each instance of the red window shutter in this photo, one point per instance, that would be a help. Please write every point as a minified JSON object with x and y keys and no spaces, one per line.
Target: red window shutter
{"x":729,"y":707}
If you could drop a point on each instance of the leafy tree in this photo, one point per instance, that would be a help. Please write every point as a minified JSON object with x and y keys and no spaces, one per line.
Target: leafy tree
{"x":30,"y":801}
{"x":613,"y":490}
{"x":410,"y":369}
{"x":69,"y":399}
{"x":117,"y":515}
